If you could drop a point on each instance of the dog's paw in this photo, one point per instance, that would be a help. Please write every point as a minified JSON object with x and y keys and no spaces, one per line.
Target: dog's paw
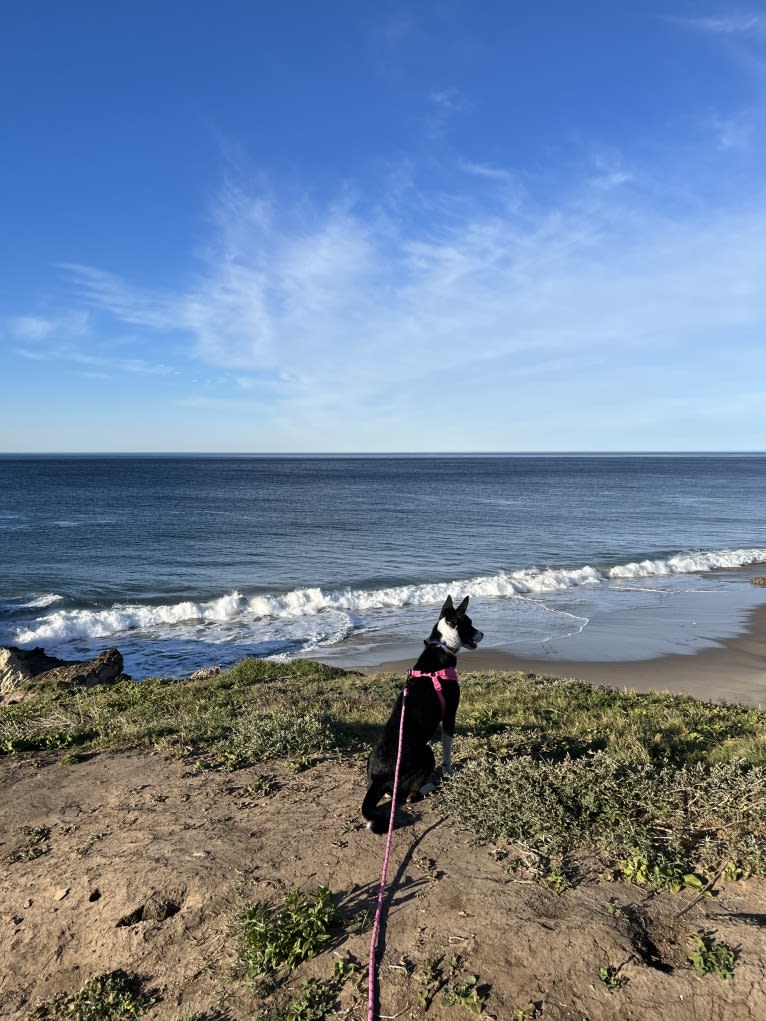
{"x":426,"y":789}
{"x":447,"y":769}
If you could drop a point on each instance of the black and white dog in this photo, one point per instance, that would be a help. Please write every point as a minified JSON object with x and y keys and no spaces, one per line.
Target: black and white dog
{"x":433,"y":694}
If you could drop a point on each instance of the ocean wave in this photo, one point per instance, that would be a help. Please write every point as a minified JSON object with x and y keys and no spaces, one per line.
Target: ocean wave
{"x":689,"y":563}
{"x":40,"y":602}
{"x":15,"y":606}
{"x":235,"y":608}
{"x":65,"y":624}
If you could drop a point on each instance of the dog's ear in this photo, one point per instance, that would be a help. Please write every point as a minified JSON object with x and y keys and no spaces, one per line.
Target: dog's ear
{"x":447,"y":608}
{"x":463,"y":607}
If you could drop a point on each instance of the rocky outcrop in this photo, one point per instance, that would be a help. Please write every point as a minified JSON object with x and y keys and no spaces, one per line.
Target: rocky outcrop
{"x":760,"y":580}
{"x":25,"y":674}
{"x":18,"y":665}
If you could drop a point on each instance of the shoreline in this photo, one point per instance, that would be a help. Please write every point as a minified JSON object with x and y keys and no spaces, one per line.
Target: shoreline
{"x":734,"y":671}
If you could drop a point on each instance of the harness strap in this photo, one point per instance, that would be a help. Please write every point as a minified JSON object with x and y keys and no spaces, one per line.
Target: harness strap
{"x":437,"y":676}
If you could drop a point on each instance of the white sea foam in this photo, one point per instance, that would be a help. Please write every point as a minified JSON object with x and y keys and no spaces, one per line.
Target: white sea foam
{"x":64,"y":624}
{"x":15,"y":606}
{"x":40,"y":602}
{"x":689,"y":563}
{"x":234,"y":609}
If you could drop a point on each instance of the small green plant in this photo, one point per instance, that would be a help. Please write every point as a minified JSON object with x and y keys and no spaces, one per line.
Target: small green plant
{"x":114,"y":996}
{"x":36,"y":844}
{"x":344,"y":970}
{"x":659,"y":873}
{"x":315,"y":1001}
{"x":286,"y":934}
{"x":615,"y":908}
{"x":561,"y":876}
{"x":612,"y":978}
{"x":464,"y":994}
{"x":528,"y":1012}
{"x":428,"y":983}
{"x":732,"y":872}
{"x":710,"y":957}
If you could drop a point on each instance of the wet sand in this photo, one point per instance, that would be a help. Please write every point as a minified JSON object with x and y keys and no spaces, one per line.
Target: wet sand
{"x":734,"y":671}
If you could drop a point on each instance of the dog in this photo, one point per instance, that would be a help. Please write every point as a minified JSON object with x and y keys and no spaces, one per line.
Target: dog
{"x":433,"y":695}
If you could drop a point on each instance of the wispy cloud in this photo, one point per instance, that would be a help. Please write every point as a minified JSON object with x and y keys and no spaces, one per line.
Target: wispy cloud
{"x":39,"y":328}
{"x":736,"y":131}
{"x":107,"y":364}
{"x":445,"y":104}
{"x":101,"y":289}
{"x":752,"y":24}
{"x":368,"y":318}
{"x":31,"y":327}
{"x":330,"y":307}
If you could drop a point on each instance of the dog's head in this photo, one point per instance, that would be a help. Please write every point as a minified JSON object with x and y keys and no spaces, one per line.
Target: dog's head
{"x":454,"y":627}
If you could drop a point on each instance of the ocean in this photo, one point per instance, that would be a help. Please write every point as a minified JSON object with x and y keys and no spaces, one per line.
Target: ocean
{"x":190,"y":561}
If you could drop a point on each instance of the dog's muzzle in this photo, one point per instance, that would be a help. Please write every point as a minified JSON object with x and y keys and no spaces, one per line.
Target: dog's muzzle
{"x":474,"y":640}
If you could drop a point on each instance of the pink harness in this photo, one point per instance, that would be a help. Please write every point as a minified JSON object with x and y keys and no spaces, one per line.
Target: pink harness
{"x":450,"y":674}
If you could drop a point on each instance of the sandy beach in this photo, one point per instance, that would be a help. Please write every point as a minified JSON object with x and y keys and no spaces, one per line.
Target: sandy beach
{"x":733,"y":671}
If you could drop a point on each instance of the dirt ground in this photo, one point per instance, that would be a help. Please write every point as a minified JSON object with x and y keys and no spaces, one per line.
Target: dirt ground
{"x":149,"y":863}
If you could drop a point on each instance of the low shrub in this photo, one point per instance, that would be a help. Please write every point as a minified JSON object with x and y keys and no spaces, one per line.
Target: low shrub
{"x":677,"y":819}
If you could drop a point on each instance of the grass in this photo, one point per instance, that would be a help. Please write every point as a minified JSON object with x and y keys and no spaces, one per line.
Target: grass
{"x":255,"y":711}
{"x":502,"y":716}
{"x":669,"y":788}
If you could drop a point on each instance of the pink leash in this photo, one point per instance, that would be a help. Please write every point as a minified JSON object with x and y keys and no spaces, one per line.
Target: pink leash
{"x":382,"y":890}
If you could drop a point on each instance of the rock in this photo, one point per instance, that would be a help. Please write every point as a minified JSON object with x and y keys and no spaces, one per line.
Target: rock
{"x":760,"y":580}
{"x":104,"y":669}
{"x":204,"y":673}
{"x":61,"y":893}
{"x":18,"y":665}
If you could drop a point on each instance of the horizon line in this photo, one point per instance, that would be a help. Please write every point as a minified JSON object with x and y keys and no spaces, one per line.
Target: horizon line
{"x":370,"y":453}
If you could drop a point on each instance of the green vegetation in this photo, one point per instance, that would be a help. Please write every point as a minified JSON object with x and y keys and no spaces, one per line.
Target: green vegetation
{"x":612,"y":978}
{"x":317,"y":999}
{"x":464,"y":993}
{"x":37,"y":843}
{"x":428,"y":982}
{"x":662,"y":824}
{"x":508,"y":715}
{"x":710,"y":957}
{"x":255,"y":711}
{"x":672,"y":790}
{"x":274,"y":936}
{"x":114,"y":996}
{"x":528,"y":1012}
{"x":502,"y":716}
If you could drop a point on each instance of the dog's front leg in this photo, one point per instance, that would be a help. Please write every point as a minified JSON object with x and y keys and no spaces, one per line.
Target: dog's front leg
{"x":446,"y":752}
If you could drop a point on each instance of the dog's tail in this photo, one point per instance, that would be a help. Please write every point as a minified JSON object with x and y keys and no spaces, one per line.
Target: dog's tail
{"x":376,"y":821}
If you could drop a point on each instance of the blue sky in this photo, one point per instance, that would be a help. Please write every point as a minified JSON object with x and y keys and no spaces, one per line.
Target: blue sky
{"x":378,"y":226}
